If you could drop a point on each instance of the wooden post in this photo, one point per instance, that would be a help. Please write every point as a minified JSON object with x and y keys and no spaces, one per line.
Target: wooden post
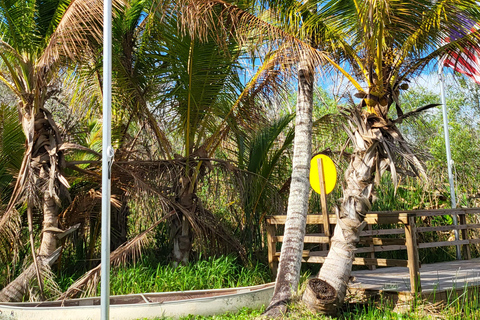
{"x":372,"y":254}
{"x":466,"y":247}
{"x":272,"y":248}
{"x":323,"y":198}
{"x":412,"y":252}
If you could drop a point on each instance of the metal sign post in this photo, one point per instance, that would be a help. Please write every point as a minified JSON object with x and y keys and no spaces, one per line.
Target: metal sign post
{"x":107,"y":157}
{"x":449,"y":156}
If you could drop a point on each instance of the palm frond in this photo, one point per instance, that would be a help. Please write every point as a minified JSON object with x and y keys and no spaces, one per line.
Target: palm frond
{"x":226,"y":20}
{"x":88,"y":283}
{"x":71,"y":35}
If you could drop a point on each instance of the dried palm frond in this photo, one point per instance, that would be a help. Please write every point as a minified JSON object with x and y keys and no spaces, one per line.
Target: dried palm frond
{"x":160,"y":179}
{"x":10,"y":240}
{"x":225,"y":20}
{"x":80,"y":26}
{"x":88,"y":283}
{"x":16,"y":289}
{"x":393,"y":151}
{"x":51,"y":287}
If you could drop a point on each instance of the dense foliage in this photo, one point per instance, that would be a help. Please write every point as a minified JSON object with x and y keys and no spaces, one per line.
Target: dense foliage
{"x":203,"y":133}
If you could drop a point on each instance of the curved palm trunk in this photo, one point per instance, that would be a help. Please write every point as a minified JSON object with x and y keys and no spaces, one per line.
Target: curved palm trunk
{"x":328,"y":290}
{"x":18,"y":288}
{"x":42,"y":162}
{"x":46,"y":163}
{"x":291,"y":254}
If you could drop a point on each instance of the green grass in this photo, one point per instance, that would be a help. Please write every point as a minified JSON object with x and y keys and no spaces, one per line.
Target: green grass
{"x":213,"y":273}
{"x":463,"y":307}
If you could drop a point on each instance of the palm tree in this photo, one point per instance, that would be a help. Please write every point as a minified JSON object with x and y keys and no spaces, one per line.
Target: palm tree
{"x":384,"y":43}
{"x":287,"y":51}
{"x":38,"y":40}
{"x":167,"y":80}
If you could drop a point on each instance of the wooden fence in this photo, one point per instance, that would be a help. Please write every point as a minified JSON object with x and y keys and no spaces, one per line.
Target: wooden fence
{"x":393,"y":231}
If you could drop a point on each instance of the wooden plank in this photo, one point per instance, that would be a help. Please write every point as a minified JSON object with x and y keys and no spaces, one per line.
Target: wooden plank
{"x":372,"y":254}
{"x":381,"y":232}
{"x":310,"y":238}
{"x":384,"y":215}
{"x":449,"y":227}
{"x":435,"y":212}
{"x":370,"y":218}
{"x":381,"y":241}
{"x":305,"y":254}
{"x":366,"y":261}
{"x":380,"y":249}
{"x":272,"y":248}
{"x":440,"y":281}
{"x":311,"y":219}
{"x":381,"y":262}
{"x":386,"y":218}
{"x":442,"y":244}
{"x":466,"y":248}
{"x":413,"y":259}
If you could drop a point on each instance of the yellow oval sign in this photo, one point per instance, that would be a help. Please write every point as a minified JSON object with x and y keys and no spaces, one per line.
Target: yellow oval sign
{"x":329,"y":174}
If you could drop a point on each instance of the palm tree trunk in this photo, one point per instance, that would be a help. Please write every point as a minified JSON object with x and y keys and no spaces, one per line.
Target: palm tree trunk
{"x":291,"y":254}
{"x":43,"y":162}
{"x":182,"y":238}
{"x":50,"y":223}
{"x":18,"y":288}
{"x":328,"y":290}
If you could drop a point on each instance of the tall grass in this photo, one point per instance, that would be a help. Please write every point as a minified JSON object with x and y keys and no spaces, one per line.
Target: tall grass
{"x":213,"y":273}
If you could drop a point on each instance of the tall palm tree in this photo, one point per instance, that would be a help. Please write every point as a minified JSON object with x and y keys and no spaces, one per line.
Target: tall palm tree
{"x":289,"y":51}
{"x":169,"y":80}
{"x":38,"y":39}
{"x":202,"y":85}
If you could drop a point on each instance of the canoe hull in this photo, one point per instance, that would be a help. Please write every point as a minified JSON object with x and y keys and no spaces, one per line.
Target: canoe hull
{"x":223,"y":300}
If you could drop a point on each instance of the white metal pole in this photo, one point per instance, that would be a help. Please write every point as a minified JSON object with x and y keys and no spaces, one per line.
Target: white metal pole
{"x":107,"y":157}
{"x":449,"y":156}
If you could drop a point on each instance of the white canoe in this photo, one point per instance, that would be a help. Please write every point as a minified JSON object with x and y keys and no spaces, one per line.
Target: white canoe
{"x":144,"y":306}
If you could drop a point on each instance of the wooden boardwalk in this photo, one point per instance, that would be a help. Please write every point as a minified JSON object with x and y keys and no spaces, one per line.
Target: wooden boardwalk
{"x":438,"y":280}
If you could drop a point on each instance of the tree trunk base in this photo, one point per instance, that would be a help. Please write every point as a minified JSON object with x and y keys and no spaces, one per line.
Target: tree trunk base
{"x":320,"y":297}
{"x":275,"y":311}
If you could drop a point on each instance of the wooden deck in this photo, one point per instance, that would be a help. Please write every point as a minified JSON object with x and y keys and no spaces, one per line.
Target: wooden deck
{"x":438,"y":280}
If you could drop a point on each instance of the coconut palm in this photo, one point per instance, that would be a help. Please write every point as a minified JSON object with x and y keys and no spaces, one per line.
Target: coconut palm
{"x":385,"y":43}
{"x":289,"y":51}
{"x":38,"y":40}
{"x":167,"y":80}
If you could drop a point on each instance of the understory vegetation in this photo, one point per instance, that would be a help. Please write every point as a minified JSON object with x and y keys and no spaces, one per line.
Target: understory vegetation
{"x":203,"y":128}
{"x":152,"y":270}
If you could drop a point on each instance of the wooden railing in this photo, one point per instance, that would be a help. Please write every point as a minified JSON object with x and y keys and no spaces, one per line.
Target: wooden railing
{"x":397,"y":230}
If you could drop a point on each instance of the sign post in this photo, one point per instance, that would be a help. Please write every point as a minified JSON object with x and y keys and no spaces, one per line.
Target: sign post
{"x":323,"y":177}
{"x":107,"y":157}
{"x":323,"y":197}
